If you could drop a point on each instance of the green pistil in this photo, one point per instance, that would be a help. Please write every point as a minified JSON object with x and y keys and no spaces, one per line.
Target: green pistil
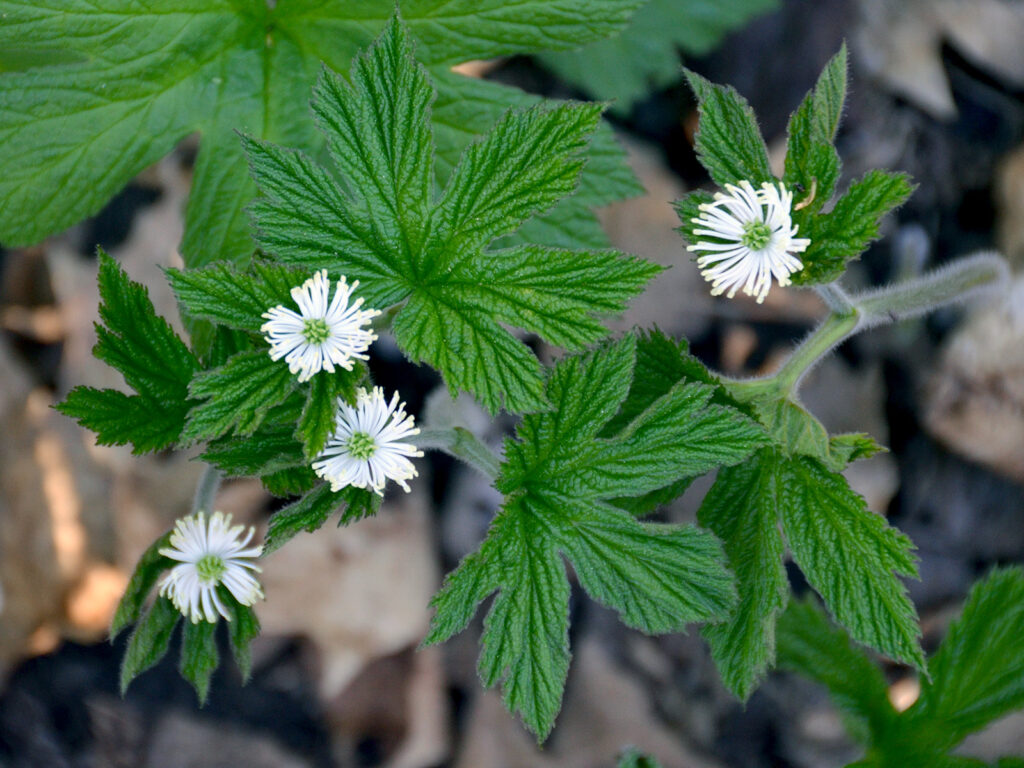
{"x":756,"y":235}
{"x":210,"y":568}
{"x":361,"y":446}
{"x":316,"y":331}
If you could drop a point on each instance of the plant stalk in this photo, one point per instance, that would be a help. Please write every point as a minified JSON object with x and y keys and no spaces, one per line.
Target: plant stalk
{"x":206,"y":490}
{"x":462,"y":444}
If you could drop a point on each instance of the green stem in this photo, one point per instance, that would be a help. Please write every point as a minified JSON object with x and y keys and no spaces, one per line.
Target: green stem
{"x":822,"y":340}
{"x":462,"y":444}
{"x":206,"y":491}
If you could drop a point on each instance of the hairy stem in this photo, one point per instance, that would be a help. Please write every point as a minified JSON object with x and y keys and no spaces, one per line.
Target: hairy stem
{"x":206,"y":490}
{"x":462,"y":444}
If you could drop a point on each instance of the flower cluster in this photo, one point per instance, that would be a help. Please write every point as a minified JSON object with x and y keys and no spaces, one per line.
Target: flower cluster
{"x":210,"y":554}
{"x":752,"y":238}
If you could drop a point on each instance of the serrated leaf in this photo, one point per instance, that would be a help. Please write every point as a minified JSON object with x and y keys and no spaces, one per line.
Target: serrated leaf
{"x":234,"y":298}
{"x":144,"y":348}
{"x":143,"y":579}
{"x":317,"y":421}
{"x":812,"y":163}
{"x":311,"y":511}
{"x":853,"y":446}
{"x":271,"y":448}
{"x":845,"y":233}
{"x":199,"y":655}
{"x":149,"y":641}
{"x":120,"y":419}
{"x":237,"y":395}
{"x":851,"y":557}
{"x":557,"y":478}
{"x":728,"y":141}
{"x":294,"y":481}
{"x":131,"y":84}
{"x":643,"y":57}
{"x":814,"y":647}
{"x":382,"y":226}
{"x":978,"y":671}
{"x":742,"y":510}
{"x":243,"y":628}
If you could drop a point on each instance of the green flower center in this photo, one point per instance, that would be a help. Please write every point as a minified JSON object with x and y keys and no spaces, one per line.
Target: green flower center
{"x":361,"y":446}
{"x":210,"y":568}
{"x":756,"y":235}
{"x":316,"y":331}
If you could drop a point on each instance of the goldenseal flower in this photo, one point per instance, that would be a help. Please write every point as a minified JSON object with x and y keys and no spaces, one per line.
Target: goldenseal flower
{"x":366,"y":448}
{"x":752,"y":239}
{"x":320,"y":335}
{"x":210,"y":553}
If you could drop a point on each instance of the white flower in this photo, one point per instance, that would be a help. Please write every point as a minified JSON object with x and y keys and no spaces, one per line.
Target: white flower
{"x":365,"y":448}
{"x":210,"y":555}
{"x":319,"y":335}
{"x":753,"y":239}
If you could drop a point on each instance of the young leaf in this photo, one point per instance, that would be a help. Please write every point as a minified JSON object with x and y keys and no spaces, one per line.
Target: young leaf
{"x":849,"y":555}
{"x":271,"y":448}
{"x":557,"y":479}
{"x":845,"y":233}
{"x":149,"y":641}
{"x":130,"y":85}
{"x":199,"y":655}
{"x":312,"y":510}
{"x":728,"y":141}
{"x":430,"y":254}
{"x":237,"y":395}
{"x":645,"y":56}
{"x":742,"y":510}
{"x":294,"y":481}
{"x":814,"y":647}
{"x":143,"y":579}
{"x":143,"y":347}
{"x":978,"y":671}
{"x":812,"y":163}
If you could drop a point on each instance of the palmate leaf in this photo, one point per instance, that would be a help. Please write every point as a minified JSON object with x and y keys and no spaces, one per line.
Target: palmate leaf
{"x":977,"y":677}
{"x":93,"y":92}
{"x":384,"y":226}
{"x":558,"y":477}
{"x":144,"y":348}
{"x":645,"y":55}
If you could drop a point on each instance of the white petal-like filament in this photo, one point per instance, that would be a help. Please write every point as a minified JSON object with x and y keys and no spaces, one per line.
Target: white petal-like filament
{"x":210,"y":552}
{"x":733,"y":259}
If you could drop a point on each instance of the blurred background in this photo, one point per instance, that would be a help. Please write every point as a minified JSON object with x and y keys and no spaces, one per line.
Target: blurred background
{"x":936,"y":91}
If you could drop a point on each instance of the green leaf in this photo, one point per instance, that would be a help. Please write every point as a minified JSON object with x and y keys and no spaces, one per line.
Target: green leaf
{"x":845,"y":233}
{"x":812,"y":163}
{"x":94,"y":92}
{"x":144,"y":348}
{"x":143,"y":579}
{"x":643,"y":57}
{"x":243,"y":628}
{"x":728,"y":141}
{"x":293,"y":481}
{"x":149,"y":641}
{"x":849,"y":555}
{"x":237,"y":395}
{"x":633,"y":758}
{"x":317,"y":421}
{"x":271,"y":448}
{"x":235,"y":298}
{"x":382,"y":226}
{"x":814,"y":647}
{"x":853,"y":446}
{"x":742,"y":510}
{"x":557,"y":478}
{"x":311,"y":511}
{"x":199,"y":656}
{"x":978,"y":671}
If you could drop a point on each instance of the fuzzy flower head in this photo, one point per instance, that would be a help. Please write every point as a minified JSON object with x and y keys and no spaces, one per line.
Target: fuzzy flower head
{"x":210,"y":553}
{"x":366,"y":448}
{"x":751,"y":238}
{"x":324,"y":332}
